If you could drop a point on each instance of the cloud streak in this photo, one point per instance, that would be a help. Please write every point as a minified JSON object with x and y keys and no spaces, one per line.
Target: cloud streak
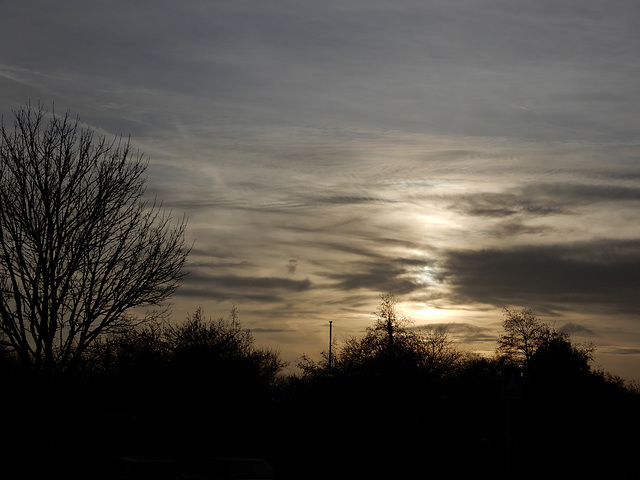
{"x":542,"y":199}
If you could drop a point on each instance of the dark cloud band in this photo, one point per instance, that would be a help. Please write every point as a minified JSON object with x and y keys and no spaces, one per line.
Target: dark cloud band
{"x":604,"y":273}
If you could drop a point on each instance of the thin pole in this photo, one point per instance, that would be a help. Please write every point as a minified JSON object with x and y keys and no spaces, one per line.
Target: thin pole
{"x":330,"y":341}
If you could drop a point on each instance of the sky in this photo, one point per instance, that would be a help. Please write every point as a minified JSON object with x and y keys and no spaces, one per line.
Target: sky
{"x":463,"y":155}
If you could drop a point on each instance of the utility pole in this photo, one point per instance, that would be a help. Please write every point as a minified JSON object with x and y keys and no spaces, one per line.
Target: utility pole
{"x":329,"y":379}
{"x":330,"y":342}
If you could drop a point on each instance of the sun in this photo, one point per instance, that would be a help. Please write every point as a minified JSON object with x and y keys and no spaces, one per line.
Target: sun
{"x":427,"y":275}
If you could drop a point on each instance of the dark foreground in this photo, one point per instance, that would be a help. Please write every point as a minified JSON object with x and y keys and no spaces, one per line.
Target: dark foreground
{"x":106,"y":447}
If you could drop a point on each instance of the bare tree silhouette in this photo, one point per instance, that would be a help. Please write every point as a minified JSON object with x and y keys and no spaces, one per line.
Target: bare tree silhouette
{"x":79,"y":245}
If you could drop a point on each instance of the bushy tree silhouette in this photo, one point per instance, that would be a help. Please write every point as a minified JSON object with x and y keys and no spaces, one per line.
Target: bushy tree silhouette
{"x":523,"y":333}
{"x":198,"y":375}
{"x":540,"y":349}
{"x":557,"y":358}
{"x":218,"y":362}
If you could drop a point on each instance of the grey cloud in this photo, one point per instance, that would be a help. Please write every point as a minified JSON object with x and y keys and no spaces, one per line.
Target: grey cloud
{"x":222,"y":262}
{"x":199,"y":292}
{"x":367,"y":245}
{"x":268,"y":330}
{"x":382,"y":275}
{"x":578,"y":193}
{"x":575,"y":329}
{"x":541,"y":199}
{"x":602,"y":274}
{"x":624,"y":351}
{"x":232,"y":287}
{"x":348,"y":200}
{"x":513,"y":228}
{"x":232,"y":282}
{"x":465,"y":332}
{"x":292,"y":265}
{"x":502,"y":205}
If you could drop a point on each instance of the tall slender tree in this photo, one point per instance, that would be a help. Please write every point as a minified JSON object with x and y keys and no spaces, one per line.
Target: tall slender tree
{"x":387,"y":320}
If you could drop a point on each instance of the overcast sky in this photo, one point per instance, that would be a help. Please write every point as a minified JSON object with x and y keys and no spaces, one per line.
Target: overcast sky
{"x":465,"y":155}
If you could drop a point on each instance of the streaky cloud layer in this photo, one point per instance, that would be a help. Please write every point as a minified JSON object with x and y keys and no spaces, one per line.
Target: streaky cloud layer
{"x":464,"y":155}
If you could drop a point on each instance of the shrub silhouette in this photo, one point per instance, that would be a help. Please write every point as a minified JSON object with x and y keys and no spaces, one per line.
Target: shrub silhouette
{"x":203,"y":374}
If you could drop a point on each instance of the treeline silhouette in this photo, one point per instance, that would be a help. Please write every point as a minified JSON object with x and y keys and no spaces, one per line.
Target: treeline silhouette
{"x":396,"y":400}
